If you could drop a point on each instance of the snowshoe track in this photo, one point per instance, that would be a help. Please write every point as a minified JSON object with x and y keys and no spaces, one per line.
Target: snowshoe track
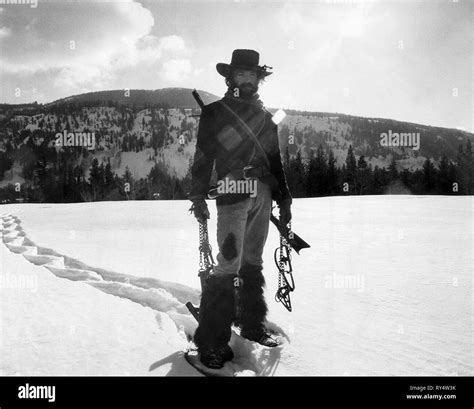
{"x":167,"y":299}
{"x":163,"y":297}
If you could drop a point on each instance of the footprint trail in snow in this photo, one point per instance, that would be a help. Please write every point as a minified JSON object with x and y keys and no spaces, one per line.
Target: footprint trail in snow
{"x":163,"y":297}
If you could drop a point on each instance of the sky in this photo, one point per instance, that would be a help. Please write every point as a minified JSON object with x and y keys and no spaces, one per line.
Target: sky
{"x":404,"y":60}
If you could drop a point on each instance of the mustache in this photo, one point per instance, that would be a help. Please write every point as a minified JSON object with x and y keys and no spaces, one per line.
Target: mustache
{"x":247,"y":84}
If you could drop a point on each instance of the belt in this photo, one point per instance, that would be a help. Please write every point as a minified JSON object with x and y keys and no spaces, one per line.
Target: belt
{"x":250,"y":172}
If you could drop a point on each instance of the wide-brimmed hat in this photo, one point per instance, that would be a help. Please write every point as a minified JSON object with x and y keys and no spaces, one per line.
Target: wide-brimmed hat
{"x":244,"y":59}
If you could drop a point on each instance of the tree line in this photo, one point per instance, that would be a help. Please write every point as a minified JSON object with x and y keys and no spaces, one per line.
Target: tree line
{"x":320,"y":176}
{"x":53,"y":178}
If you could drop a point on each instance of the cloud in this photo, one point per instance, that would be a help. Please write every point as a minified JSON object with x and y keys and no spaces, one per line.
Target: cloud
{"x":4,"y":32}
{"x":150,"y":49}
{"x":176,"y":70}
{"x":80,"y":47}
{"x":173,"y":42}
{"x":87,"y":76}
{"x":290,"y":17}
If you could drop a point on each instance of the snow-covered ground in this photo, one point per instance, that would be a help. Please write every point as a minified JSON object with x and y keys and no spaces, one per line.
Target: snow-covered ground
{"x":100,"y":288}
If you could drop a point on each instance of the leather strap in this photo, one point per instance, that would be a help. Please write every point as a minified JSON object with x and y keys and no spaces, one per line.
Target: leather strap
{"x":250,"y":172}
{"x":249,"y":131}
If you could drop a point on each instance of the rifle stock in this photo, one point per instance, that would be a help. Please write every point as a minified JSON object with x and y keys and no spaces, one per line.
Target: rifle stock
{"x":296,"y":242}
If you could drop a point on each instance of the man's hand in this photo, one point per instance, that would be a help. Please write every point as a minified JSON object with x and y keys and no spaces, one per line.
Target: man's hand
{"x":285,"y":211}
{"x":200,"y":210}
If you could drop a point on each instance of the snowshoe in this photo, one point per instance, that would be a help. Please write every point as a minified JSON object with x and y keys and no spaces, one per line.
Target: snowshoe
{"x":216,"y":358}
{"x":261,"y":336}
{"x":215,"y":363}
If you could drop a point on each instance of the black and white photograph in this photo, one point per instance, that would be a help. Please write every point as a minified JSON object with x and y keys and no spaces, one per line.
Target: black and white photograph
{"x":198,"y":190}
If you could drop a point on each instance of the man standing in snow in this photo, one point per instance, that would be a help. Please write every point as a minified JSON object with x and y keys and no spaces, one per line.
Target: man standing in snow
{"x":237,"y":134}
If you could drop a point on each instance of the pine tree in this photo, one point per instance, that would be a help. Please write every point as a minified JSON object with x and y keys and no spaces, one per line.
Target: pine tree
{"x":452,"y":176}
{"x":350,"y":173}
{"x":108,"y":177}
{"x":429,"y":177}
{"x":332,"y":175}
{"x":443,"y":182}
{"x":128,"y":184}
{"x":95,"y":178}
{"x":363,"y":175}
{"x":463,"y":169}
{"x":379,"y":180}
{"x":316,"y":178}
{"x":296,"y":182}
{"x":392,"y":170}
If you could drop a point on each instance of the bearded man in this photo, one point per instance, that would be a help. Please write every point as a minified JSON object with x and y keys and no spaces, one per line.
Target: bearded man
{"x":237,"y":135}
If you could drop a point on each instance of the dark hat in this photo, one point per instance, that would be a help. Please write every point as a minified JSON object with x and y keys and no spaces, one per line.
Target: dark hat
{"x":245,"y":59}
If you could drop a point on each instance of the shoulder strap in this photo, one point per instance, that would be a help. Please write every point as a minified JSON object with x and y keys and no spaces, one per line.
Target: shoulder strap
{"x":248,"y":130}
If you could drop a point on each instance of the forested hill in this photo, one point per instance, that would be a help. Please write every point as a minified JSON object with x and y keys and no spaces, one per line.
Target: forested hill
{"x":140,"y":98}
{"x":148,"y":137}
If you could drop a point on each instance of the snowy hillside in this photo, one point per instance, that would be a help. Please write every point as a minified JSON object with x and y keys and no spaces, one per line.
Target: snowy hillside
{"x":127,"y":140}
{"x":99,"y":289}
{"x":160,"y":126}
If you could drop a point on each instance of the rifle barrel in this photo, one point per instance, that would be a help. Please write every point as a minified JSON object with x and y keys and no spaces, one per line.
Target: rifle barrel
{"x":198,"y":99}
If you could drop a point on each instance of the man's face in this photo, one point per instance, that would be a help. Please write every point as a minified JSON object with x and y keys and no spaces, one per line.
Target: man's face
{"x":246,"y":81}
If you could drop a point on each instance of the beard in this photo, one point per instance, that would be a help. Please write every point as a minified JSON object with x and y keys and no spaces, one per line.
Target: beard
{"x":246,"y":89}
